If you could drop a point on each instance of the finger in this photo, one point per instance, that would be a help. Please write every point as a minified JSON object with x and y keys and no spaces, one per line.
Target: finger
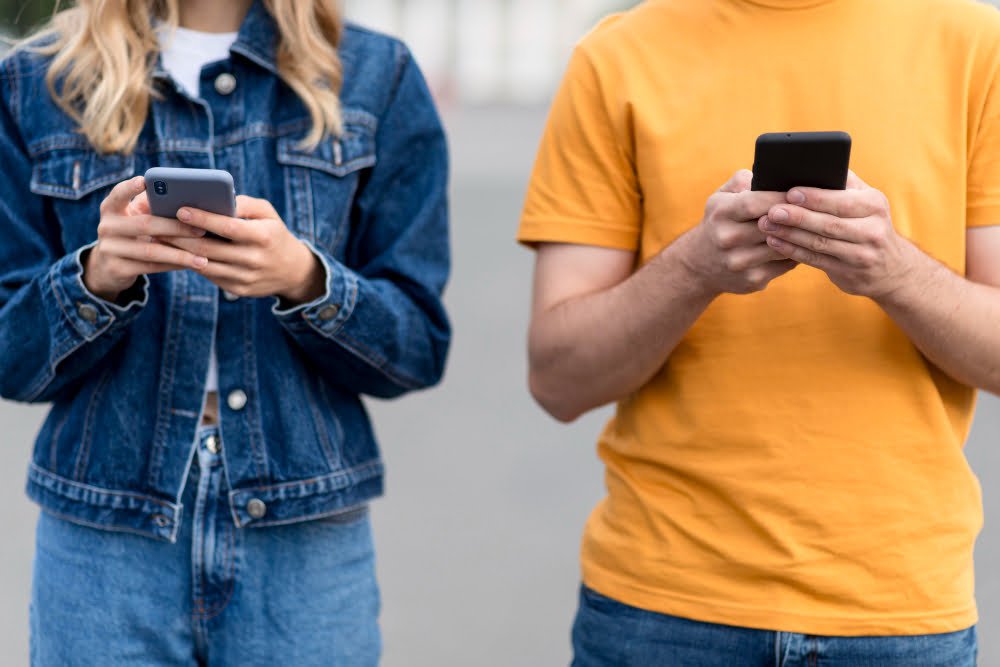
{"x":136,"y":267}
{"x":842,"y":250}
{"x":230,"y":274}
{"x":824,"y":224}
{"x":841,"y":203}
{"x":118,"y":199}
{"x":819,"y":260}
{"x":154,"y":253}
{"x":146,"y":226}
{"x":743,"y":259}
{"x":235,"y":229}
{"x":139,"y":205}
{"x":218,"y":251}
{"x":749,"y":206}
{"x":252,"y":208}
{"x":854,"y":181}
{"x":739,"y":182}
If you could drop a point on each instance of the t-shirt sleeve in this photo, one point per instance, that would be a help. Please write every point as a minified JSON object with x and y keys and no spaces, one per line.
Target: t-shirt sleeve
{"x":984,"y":165}
{"x":584,"y":187}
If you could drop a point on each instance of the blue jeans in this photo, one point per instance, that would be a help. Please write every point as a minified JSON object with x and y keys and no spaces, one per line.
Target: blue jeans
{"x":608,"y":633}
{"x":299,"y":594}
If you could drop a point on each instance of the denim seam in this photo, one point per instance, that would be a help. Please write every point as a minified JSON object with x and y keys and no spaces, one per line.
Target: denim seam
{"x":258,"y":451}
{"x":83,"y":456}
{"x":354,"y":475}
{"x":50,"y":480}
{"x":171,"y":342}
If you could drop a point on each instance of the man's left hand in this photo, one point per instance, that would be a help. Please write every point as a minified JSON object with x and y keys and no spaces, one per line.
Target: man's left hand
{"x":846,"y":233}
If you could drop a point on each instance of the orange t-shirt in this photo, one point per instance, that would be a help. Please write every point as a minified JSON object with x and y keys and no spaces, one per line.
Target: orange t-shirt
{"x":797,"y":464}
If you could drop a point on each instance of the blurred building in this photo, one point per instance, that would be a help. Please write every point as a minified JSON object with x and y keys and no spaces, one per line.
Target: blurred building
{"x":487,"y":51}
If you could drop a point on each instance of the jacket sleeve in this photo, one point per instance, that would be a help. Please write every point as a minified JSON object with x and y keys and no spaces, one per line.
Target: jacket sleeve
{"x":381,"y":328}
{"x":53,"y":331}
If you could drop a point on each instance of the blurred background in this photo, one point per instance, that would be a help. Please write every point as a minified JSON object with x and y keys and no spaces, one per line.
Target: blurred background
{"x":486,"y":497}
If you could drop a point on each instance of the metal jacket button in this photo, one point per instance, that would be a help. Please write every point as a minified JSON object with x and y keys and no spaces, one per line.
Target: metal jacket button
{"x":87,"y":312}
{"x":225,"y":83}
{"x":328,"y":313}
{"x":237,"y":399}
{"x":256,"y":508}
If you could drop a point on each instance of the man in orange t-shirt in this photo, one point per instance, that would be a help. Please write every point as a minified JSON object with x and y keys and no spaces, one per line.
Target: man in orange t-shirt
{"x":794,"y":372}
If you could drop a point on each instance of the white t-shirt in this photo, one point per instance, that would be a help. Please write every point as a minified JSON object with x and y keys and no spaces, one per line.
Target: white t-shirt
{"x":184,"y":54}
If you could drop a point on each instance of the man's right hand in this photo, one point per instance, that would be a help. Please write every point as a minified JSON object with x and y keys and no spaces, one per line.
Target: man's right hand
{"x":127,"y":244}
{"x":727,"y":252}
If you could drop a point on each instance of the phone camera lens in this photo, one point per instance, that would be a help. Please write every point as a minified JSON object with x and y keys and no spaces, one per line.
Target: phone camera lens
{"x":160,"y":187}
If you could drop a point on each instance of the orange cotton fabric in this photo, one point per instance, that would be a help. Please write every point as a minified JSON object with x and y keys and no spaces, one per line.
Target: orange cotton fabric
{"x":797,"y":465}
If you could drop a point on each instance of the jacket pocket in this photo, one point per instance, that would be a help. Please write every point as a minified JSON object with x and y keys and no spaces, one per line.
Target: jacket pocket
{"x":321,"y":182}
{"x":74,"y":173}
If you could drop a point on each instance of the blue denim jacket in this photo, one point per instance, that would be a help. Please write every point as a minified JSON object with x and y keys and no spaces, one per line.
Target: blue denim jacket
{"x":127,"y":382}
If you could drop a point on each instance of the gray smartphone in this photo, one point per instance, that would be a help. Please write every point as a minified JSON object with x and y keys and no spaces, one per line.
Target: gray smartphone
{"x":171,"y":188}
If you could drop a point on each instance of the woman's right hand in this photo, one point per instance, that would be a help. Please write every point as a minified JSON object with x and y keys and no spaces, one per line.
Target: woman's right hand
{"x":127,"y":245}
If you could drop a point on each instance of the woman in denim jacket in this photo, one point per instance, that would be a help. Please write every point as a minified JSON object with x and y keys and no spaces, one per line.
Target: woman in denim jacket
{"x":207,"y":462}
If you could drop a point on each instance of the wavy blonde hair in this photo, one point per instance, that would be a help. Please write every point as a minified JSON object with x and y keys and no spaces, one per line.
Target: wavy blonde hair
{"x":105,"y":51}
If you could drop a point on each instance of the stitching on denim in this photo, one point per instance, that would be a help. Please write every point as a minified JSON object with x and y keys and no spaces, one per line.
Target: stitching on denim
{"x":104,"y":497}
{"x":340,"y":480}
{"x":83,"y":456}
{"x":230,"y":578}
{"x":322,"y":435}
{"x":381,"y":364}
{"x":172,"y":336}
{"x":257,"y":449}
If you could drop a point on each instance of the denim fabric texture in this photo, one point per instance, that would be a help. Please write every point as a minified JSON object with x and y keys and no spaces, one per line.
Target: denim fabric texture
{"x":127,"y":382}
{"x":607,"y":633}
{"x":302,"y":594}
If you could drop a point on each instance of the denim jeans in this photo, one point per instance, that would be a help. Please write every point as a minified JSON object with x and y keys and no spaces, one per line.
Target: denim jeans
{"x":298,"y":594}
{"x":607,"y":633}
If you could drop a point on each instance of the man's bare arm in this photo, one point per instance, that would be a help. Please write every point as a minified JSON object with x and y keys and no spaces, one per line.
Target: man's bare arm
{"x":600,"y":329}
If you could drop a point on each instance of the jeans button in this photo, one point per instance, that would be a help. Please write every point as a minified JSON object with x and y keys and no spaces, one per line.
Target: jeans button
{"x":212,"y":444}
{"x":225,"y":83}
{"x":236,"y":400}
{"x":256,"y":508}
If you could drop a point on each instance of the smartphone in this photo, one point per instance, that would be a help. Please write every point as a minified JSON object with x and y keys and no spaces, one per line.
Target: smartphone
{"x":784,"y":160}
{"x":171,"y":188}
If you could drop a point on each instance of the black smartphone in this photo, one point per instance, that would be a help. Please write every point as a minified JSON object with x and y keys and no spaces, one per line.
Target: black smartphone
{"x":784,"y":160}
{"x":170,"y":188}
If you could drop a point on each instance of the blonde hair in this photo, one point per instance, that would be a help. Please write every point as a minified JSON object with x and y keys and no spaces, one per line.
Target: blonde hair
{"x":105,"y":51}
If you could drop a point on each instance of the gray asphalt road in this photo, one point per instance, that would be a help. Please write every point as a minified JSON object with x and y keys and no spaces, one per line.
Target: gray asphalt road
{"x":478,"y":534}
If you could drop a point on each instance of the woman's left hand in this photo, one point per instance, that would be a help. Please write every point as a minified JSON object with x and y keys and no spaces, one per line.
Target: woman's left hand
{"x":261,"y":258}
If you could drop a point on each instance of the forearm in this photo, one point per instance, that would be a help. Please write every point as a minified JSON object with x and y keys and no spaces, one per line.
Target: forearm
{"x":597,"y":348}
{"x":952,"y":321}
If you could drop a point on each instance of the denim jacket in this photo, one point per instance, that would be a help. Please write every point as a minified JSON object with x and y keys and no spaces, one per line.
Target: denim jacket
{"x":127,"y":381}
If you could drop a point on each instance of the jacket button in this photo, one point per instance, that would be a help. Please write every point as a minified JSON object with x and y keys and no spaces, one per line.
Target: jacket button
{"x":229,"y":296}
{"x":212,"y":444}
{"x":225,"y":83}
{"x":256,"y":508}
{"x":328,"y":313}
{"x":236,"y":400}
{"x":87,"y":312}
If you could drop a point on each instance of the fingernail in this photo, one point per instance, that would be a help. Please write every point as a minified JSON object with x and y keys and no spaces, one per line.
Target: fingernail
{"x":201,"y":262}
{"x":769,"y":226}
{"x":796,"y":197}
{"x":779,"y":215}
{"x":196,"y":231}
{"x":184,"y":214}
{"x":773,"y":241}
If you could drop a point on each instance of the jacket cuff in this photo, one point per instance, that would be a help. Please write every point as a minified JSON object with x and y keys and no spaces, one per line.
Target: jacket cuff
{"x":327,"y":314}
{"x":87,"y":313}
